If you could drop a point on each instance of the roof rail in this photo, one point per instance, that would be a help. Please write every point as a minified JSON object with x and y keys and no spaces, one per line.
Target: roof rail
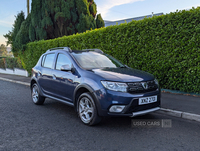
{"x":63,"y":48}
{"x":95,"y":50}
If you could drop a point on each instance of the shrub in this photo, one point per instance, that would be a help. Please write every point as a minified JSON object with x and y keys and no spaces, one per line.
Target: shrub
{"x":2,"y":63}
{"x":13,"y":63}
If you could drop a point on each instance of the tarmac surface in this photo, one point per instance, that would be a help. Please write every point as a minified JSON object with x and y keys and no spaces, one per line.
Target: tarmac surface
{"x":55,"y":126}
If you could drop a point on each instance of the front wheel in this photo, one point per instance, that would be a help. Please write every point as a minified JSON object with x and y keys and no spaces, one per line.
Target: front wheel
{"x":87,"y":110}
{"x":36,"y":97}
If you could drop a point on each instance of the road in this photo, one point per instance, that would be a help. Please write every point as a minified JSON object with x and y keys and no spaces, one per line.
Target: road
{"x":55,"y":127}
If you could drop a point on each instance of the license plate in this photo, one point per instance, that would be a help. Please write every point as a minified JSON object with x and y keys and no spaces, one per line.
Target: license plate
{"x":147,"y":100}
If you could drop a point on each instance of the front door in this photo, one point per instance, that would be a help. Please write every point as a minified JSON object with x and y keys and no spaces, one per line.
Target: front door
{"x":64,"y":84}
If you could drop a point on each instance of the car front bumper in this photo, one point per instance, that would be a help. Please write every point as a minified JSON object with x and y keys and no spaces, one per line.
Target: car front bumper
{"x":107,"y":98}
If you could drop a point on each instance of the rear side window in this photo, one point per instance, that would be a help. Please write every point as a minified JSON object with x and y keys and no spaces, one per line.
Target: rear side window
{"x":43,"y":59}
{"x":47,"y":60}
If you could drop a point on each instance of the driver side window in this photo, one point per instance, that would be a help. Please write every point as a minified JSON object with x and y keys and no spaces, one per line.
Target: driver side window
{"x":62,"y":60}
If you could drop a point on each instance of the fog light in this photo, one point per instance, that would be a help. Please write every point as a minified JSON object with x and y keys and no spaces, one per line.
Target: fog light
{"x":117,"y":108}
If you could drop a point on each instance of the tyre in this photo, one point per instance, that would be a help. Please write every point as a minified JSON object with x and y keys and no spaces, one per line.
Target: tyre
{"x":87,"y":110}
{"x":35,"y":94}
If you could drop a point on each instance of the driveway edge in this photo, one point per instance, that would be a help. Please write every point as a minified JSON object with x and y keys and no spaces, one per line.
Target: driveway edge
{"x":19,"y":82}
{"x":180,"y":114}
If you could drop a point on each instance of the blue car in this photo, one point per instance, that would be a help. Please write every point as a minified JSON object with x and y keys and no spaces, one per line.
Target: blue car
{"x":94,"y":83}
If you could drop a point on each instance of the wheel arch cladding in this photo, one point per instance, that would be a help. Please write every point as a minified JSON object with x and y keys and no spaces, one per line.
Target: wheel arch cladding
{"x":82,"y":89}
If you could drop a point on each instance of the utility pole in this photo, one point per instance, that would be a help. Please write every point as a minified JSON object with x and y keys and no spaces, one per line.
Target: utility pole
{"x":27,"y":7}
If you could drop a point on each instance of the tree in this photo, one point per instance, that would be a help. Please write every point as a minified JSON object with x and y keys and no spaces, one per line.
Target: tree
{"x":56,"y":18}
{"x":8,"y":36}
{"x":3,"y":51}
{"x":50,"y":19}
{"x":99,"y":21}
{"x":22,"y":37}
{"x":11,"y":36}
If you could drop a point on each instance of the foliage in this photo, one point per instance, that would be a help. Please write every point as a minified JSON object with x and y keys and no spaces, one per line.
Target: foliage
{"x":8,"y":36}
{"x":8,"y":62}
{"x":22,"y":37}
{"x":3,"y":50}
{"x":11,"y":36}
{"x":2,"y":63}
{"x":167,"y":46}
{"x":13,"y":63}
{"x":52,"y":19}
{"x":56,"y":18}
{"x":99,"y":21}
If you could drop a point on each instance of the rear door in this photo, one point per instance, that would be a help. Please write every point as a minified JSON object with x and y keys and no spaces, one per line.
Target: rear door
{"x":45,"y":74}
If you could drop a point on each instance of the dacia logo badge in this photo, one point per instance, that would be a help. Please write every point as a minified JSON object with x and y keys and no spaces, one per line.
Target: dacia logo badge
{"x":145,"y":85}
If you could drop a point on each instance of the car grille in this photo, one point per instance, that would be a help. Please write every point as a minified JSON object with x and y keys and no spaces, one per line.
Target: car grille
{"x":142,"y":87}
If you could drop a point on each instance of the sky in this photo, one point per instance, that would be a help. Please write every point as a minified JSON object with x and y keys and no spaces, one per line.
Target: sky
{"x":110,"y":10}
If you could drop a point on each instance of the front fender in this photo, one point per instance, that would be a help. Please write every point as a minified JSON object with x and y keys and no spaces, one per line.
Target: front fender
{"x":91,"y":91}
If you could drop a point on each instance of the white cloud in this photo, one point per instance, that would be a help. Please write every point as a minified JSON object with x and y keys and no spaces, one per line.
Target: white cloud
{"x":5,"y":23}
{"x":8,"y":21}
{"x":185,"y":8}
{"x":105,"y":5}
{"x":190,"y":7}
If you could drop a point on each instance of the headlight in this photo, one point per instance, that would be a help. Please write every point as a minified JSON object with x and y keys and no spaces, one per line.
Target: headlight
{"x":115,"y":86}
{"x":156,"y":81}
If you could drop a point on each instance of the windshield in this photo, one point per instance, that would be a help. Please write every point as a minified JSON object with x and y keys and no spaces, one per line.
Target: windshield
{"x":94,"y":60}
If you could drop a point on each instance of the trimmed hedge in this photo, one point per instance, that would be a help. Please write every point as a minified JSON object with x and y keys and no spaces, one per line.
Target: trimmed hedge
{"x":167,"y":46}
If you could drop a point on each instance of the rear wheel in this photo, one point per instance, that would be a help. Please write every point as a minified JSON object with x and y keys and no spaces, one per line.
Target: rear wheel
{"x":87,"y":110}
{"x":36,"y":97}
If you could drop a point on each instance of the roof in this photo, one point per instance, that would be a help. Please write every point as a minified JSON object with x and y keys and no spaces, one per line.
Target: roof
{"x":109,"y":23}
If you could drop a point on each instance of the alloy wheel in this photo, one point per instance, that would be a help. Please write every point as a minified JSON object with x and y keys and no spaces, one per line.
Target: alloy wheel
{"x":86,"y":110}
{"x":35,"y":94}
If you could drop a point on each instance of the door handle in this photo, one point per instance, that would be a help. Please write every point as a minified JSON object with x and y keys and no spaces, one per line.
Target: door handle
{"x":54,"y":77}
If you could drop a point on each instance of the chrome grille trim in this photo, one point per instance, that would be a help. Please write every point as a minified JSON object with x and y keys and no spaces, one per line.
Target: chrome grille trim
{"x":136,"y":87}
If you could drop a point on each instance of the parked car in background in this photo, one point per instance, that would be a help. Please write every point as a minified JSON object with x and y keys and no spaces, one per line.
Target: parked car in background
{"x":94,"y":83}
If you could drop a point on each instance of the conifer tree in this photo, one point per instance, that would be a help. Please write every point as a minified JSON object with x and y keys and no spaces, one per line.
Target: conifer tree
{"x":11,"y":36}
{"x":22,"y":37}
{"x":56,"y":18}
{"x":99,"y":21}
{"x":50,"y":19}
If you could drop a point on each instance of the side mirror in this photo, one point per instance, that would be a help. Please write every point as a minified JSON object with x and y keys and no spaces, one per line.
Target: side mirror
{"x":66,"y":67}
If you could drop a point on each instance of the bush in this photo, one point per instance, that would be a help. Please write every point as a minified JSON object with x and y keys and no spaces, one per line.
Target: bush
{"x":2,"y":63}
{"x":13,"y":63}
{"x":167,"y":46}
{"x":10,"y":63}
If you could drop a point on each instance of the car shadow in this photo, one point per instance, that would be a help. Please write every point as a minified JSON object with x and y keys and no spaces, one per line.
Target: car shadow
{"x":107,"y":122}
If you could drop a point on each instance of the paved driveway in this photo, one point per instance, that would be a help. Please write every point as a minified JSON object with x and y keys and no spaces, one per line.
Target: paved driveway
{"x":55,"y":127}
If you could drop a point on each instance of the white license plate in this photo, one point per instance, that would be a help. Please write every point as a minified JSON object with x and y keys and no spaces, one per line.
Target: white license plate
{"x":147,"y":100}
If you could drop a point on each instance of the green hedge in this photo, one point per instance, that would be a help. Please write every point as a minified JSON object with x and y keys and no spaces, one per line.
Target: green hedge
{"x":167,"y":46}
{"x":11,"y":63}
